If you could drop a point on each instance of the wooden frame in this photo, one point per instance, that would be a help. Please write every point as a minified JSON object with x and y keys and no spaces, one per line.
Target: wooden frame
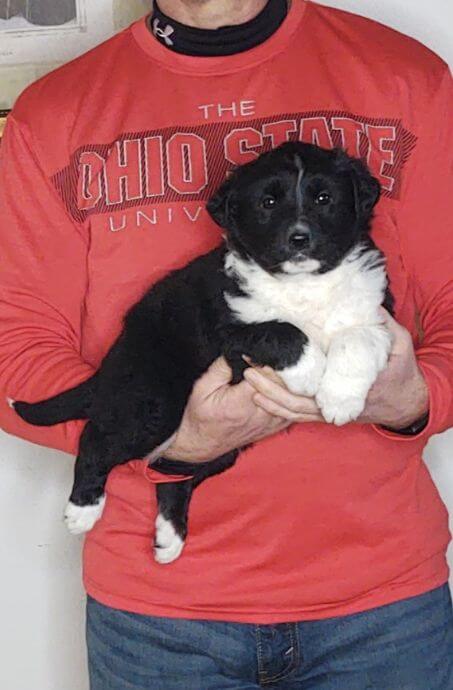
{"x":3,"y":114}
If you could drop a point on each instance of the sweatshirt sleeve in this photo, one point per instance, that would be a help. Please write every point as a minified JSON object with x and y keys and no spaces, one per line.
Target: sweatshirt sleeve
{"x":425,"y":221}
{"x":43,"y":276}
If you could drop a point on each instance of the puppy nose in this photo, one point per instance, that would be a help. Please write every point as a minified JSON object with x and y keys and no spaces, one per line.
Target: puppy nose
{"x":299,"y":239}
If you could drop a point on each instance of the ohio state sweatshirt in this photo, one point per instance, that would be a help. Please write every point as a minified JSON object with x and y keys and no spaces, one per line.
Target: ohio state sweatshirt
{"x":106,"y":165}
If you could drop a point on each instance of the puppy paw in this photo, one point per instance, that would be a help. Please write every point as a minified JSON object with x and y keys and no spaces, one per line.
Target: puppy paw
{"x":80,"y":519}
{"x":304,"y":377}
{"x":339,"y":410}
{"x":167,"y":544}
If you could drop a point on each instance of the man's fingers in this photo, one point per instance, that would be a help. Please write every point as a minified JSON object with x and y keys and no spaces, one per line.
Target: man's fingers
{"x":274,"y":408}
{"x":273,"y":375}
{"x":280,"y":395}
{"x":277,"y":410}
{"x":265,"y":371}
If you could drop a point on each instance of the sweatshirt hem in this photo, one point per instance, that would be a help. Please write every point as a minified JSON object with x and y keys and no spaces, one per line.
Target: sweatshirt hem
{"x":376,"y":600}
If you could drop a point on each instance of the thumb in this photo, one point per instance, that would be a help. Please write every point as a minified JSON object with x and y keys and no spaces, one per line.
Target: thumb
{"x":400,"y":335}
{"x":219,"y":374}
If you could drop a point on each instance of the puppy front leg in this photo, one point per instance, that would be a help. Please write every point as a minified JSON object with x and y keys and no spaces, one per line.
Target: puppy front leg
{"x":354,"y":360}
{"x":280,"y":345}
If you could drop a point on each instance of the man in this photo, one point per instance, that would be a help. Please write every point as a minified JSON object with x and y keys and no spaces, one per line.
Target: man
{"x":318,"y":561}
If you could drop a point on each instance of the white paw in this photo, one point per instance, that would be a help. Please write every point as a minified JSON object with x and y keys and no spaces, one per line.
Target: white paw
{"x":81,"y":519}
{"x":304,"y":377}
{"x":340,"y":397}
{"x":168,"y":544}
{"x":341,"y":410}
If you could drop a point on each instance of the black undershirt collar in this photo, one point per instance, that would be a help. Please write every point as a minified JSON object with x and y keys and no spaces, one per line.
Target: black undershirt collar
{"x":228,"y":40}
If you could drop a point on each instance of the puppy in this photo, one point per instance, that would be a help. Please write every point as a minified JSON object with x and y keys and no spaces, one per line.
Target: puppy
{"x":297,"y":286}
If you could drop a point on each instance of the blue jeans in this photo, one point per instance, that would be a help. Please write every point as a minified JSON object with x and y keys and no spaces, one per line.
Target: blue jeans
{"x":402,"y":646}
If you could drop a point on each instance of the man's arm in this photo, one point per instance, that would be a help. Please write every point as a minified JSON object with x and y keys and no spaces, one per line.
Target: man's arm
{"x":42,"y":287}
{"x":426,"y":225}
{"x":43,"y":281}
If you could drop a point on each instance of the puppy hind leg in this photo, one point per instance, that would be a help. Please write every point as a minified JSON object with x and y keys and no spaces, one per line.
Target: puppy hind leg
{"x":173,"y":499}
{"x":81,"y":519}
{"x":98,"y":454}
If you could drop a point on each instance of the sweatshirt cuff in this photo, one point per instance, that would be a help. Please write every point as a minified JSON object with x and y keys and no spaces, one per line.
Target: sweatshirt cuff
{"x":53,"y":377}
{"x":156,"y":477}
{"x":439,"y":402}
{"x":163,"y":471}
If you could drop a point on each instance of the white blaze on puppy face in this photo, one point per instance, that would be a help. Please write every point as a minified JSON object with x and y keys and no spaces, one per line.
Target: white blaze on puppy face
{"x":300,"y":167}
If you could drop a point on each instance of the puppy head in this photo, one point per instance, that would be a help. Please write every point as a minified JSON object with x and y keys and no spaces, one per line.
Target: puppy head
{"x":298,"y":208}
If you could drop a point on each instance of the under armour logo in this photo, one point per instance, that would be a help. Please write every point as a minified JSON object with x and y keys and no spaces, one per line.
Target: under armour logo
{"x":163,"y":33}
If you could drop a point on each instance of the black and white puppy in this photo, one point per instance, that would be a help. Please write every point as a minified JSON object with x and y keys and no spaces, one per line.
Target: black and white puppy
{"x":296,"y":286}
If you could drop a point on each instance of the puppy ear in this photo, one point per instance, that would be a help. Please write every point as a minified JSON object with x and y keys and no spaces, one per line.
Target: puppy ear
{"x":220,"y":204}
{"x":367,"y":189}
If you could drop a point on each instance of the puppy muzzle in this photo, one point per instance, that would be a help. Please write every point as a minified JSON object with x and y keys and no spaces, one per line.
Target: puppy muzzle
{"x":298,"y":238}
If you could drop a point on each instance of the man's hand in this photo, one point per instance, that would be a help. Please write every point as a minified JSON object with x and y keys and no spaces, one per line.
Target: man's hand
{"x":220,"y":417}
{"x":398,"y":397}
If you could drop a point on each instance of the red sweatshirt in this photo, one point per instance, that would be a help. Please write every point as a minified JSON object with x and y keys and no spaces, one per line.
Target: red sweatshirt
{"x":106,"y":165}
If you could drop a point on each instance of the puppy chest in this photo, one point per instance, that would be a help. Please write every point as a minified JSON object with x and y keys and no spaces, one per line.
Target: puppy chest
{"x":309,"y":315}
{"x":319,"y":306}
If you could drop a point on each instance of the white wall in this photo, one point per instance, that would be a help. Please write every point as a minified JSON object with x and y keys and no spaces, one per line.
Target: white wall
{"x":41,"y":599}
{"x":429,"y":22}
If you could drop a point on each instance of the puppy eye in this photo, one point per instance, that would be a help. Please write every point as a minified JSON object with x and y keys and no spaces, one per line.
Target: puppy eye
{"x":268,"y":202}
{"x":323,"y":199}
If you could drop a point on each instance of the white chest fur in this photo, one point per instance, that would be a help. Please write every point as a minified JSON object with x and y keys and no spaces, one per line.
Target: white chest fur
{"x":338,"y":311}
{"x":319,"y":305}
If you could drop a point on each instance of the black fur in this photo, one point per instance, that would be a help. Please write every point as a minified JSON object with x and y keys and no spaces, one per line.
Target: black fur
{"x":170,"y":337}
